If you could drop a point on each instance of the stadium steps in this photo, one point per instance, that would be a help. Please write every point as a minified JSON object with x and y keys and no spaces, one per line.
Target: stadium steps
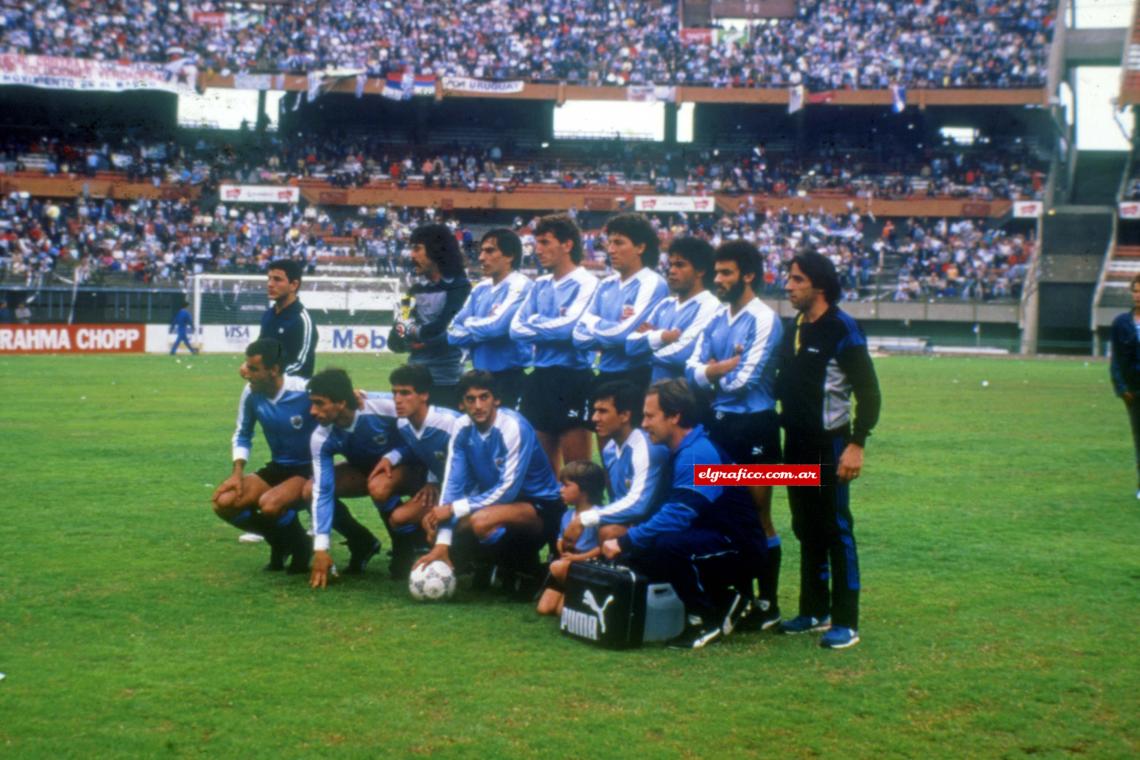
{"x":1097,"y":177}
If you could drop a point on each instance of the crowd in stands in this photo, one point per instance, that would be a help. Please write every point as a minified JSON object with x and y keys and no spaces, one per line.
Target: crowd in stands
{"x":828,"y":44}
{"x":164,"y":241}
{"x":357,"y":161}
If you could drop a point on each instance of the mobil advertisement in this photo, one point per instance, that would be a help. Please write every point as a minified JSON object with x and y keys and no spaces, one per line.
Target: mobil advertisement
{"x":232,"y":339}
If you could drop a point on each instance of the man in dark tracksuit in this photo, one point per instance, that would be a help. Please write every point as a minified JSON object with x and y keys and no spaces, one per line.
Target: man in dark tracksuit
{"x":1125,"y":366}
{"x":287,"y":321}
{"x":439,"y":292}
{"x":824,"y":360}
{"x":704,"y":539}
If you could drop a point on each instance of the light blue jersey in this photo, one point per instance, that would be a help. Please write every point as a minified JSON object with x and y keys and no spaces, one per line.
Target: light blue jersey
{"x":587,"y":539}
{"x":689,"y":317}
{"x":284,"y":419}
{"x":428,"y":444}
{"x":616,"y":310}
{"x":547,"y":318}
{"x":503,"y":465}
{"x":370,"y":436}
{"x":755,"y":333}
{"x":483,"y":325}
{"x":638,"y":475}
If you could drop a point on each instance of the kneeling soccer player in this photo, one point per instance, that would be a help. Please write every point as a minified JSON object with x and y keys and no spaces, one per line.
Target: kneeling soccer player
{"x":499,"y":494}
{"x":362,"y":433}
{"x":704,"y":539}
{"x":265,"y":502}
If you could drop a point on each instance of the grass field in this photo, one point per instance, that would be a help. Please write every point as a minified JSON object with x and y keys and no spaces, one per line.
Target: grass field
{"x":998,"y":531}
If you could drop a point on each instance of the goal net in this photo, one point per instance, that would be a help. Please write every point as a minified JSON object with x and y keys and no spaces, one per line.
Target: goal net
{"x":240,"y":299}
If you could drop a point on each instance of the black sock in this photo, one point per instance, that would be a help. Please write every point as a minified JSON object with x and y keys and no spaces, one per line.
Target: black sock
{"x":359,"y":538}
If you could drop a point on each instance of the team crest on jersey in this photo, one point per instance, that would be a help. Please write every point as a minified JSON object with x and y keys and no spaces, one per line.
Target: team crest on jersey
{"x":628,"y":484}
{"x":297,"y":421}
{"x":441,"y":455}
{"x":380,"y":439}
{"x":500,"y":461}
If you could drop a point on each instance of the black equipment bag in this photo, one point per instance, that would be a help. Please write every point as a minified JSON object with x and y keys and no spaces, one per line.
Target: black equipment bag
{"x":614,"y":607}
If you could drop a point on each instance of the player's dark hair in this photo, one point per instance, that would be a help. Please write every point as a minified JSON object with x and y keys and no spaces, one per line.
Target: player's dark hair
{"x":441,"y":246}
{"x":697,"y":252}
{"x":476,"y":378}
{"x":820,"y":271}
{"x":588,"y":476}
{"x":625,"y":396}
{"x":271,"y":351}
{"x":290,"y":267}
{"x":745,"y":255}
{"x":415,"y":375}
{"x":507,"y":242}
{"x":676,"y":398}
{"x":563,"y":228}
{"x":335,"y":385}
{"x":640,"y":232}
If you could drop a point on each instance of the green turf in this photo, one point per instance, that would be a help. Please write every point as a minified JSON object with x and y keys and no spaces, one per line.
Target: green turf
{"x":997,"y":526}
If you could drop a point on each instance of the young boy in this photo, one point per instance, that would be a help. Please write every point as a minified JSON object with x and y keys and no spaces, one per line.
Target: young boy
{"x":583,"y":486}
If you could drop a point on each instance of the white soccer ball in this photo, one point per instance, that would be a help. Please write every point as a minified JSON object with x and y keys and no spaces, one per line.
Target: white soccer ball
{"x":432,"y":582}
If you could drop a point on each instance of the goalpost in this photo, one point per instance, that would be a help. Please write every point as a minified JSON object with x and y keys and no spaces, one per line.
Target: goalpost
{"x":227,"y":309}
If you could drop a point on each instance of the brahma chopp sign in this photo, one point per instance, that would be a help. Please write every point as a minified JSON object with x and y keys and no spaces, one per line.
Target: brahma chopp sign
{"x":72,"y":339}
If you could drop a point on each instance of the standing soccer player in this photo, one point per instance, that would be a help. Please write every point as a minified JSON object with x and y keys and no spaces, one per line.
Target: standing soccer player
{"x":183,"y":323}
{"x":483,"y":325}
{"x":556,"y":395}
{"x":1125,"y":367}
{"x":825,"y":363}
{"x":440,"y":289}
{"x":287,"y":320}
{"x":499,"y":492}
{"x":622,"y":301}
{"x":670,"y":332}
{"x":735,"y":360}
{"x":264,"y":503}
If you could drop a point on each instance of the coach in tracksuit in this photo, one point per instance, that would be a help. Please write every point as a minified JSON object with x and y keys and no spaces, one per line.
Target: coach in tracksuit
{"x":438,"y":293}
{"x":1125,"y":366}
{"x":825,"y":362}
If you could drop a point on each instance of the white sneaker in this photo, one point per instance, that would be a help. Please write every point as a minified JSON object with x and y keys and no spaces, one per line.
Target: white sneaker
{"x":250,"y":538}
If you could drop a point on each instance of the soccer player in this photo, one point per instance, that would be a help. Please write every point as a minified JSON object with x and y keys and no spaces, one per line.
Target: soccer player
{"x":670,"y":332}
{"x":735,"y":360}
{"x":635,"y":465}
{"x":425,"y":434}
{"x":825,"y":362}
{"x":556,"y":395}
{"x":183,"y":323}
{"x":498,"y":488}
{"x":623,"y":300}
{"x":264,"y":503}
{"x":287,"y":320}
{"x":1125,"y":366}
{"x":483,"y":325}
{"x":361,"y":432}
{"x":438,"y":294}
{"x":704,"y":540}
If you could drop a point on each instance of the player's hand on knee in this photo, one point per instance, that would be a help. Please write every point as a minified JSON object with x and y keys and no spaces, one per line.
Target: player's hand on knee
{"x":383,"y":468}
{"x":322,"y":566}
{"x":429,"y":495}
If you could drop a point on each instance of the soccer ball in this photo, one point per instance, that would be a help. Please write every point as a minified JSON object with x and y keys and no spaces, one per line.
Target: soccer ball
{"x":432,"y":582}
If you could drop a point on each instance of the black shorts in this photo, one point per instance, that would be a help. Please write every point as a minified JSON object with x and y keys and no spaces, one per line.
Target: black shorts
{"x":638,"y":377}
{"x":550,"y":512}
{"x":556,"y":399}
{"x":747,"y":438}
{"x":275,"y":474}
{"x":509,"y":385}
